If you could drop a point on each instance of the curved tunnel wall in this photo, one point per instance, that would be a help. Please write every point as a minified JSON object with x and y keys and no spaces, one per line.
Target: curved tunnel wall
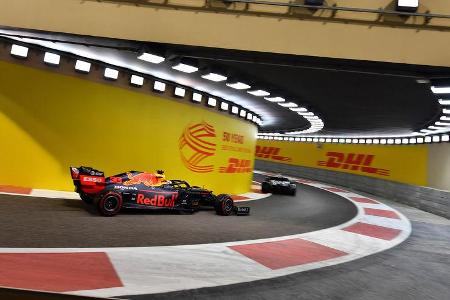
{"x":51,"y":121}
{"x":418,"y":175}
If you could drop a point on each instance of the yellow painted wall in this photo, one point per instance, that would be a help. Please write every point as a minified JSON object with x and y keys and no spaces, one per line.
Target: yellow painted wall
{"x":406,"y":164}
{"x":50,"y":121}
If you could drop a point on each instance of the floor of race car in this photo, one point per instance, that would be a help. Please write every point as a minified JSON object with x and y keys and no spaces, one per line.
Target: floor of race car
{"x":50,"y":223}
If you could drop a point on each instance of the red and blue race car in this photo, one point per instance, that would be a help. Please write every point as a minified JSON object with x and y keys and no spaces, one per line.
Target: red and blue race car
{"x":142,"y":190}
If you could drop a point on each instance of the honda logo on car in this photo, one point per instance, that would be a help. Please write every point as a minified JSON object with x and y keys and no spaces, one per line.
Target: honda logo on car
{"x":159,"y":200}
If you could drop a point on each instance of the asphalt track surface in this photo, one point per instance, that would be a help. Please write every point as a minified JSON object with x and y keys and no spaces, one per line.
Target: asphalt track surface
{"x":53,"y":223}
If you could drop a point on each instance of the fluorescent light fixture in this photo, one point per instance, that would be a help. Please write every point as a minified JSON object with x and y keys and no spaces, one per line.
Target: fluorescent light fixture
{"x":82,"y":66}
{"x":243,"y":113}
{"x":362,"y":141}
{"x":321,"y":140}
{"x":445,"y":138}
{"x":259,"y":93}
{"x":445,"y":118}
{"x":159,"y":86}
{"x":185,"y":68}
{"x":152,"y":58}
{"x":238,"y":85}
{"x":314,"y":119}
{"x":298,"y":109}
{"x":288,"y":104}
{"x":180,"y":92}
{"x":235,"y":110}
{"x":444,"y":102}
{"x":442,"y":124}
{"x":446,"y":111}
{"x":275,"y":99}
{"x":436,"y":127}
{"x":341,"y":141}
{"x":297,"y":139}
{"x":212,"y":102}
{"x":441,"y":90}
{"x":137,"y":80}
{"x":355,"y":141}
{"x":419,"y":140}
{"x":302,"y":139}
{"x":19,"y":51}
{"x":436,"y":139}
{"x":255,"y":118}
{"x":427,"y":139}
{"x":52,"y":58}
{"x":383,"y":141}
{"x":426,"y":131}
{"x":196,"y":97}
{"x":405,"y":141}
{"x":328,"y":140}
{"x":214,"y":77}
{"x":368,"y":141}
{"x":306,"y":113}
{"x":315,"y":140}
{"x":225,"y":106}
{"x":407,"y":5}
{"x":111,"y":73}
{"x":412,"y":140}
{"x":397,"y":141}
{"x":249,"y":116}
{"x":376,"y":141}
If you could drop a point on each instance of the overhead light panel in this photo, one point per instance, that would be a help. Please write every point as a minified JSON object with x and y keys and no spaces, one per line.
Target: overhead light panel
{"x":111,"y":74}
{"x":137,"y":80}
{"x":159,"y":86}
{"x":185,"y":68}
{"x":238,"y":85}
{"x":197,"y":97}
{"x":444,"y":102}
{"x":298,"y":109}
{"x":259,"y":93}
{"x":446,"y":111}
{"x":224,"y":106}
{"x":442,"y":124}
{"x":441,"y":90}
{"x":243,"y":113}
{"x":445,"y":138}
{"x":407,"y":5}
{"x":20,"y":51}
{"x":52,"y":58}
{"x":179,"y":92}
{"x":275,"y":99}
{"x":152,"y":58}
{"x":288,"y":104}
{"x":214,"y":77}
{"x":82,"y":66}
{"x":235,"y":110}
{"x":212,"y":101}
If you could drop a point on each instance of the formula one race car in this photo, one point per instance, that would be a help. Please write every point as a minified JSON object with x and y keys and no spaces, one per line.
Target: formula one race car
{"x":143,"y":190}
{"x":279,"y":185}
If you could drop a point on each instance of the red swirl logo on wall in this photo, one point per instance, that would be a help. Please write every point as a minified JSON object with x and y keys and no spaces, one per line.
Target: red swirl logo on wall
{"x":196,"y":145}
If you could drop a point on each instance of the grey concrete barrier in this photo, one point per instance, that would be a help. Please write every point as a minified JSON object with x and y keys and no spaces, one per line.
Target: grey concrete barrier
{"x":425,"y":198}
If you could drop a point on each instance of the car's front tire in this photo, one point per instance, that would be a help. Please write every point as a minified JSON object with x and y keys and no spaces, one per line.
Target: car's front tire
{"x":109,"y":204}
{"x":224,"y":205}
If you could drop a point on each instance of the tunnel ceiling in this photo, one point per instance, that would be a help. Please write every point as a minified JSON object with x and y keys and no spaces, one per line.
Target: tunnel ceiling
{"x":357,"y":98}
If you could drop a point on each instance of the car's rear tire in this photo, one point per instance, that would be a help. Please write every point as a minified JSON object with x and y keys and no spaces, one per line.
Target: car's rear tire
{"x":293,"y":192}
{"x":224,"y":205}
{"x":109,"y":204}
{"x":265,"y":188}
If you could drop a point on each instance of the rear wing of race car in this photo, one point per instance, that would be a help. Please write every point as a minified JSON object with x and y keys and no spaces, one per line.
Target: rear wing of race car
{"x":87,"y":180}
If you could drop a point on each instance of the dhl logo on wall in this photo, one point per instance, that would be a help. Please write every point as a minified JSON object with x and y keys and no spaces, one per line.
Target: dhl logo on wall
{"x":396,"y":163}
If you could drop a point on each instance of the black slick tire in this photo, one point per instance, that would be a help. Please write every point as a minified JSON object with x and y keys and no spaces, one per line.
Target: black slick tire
{"x":265,"y":188}
{"x":224,"y":205}
{"x":109,"y":204}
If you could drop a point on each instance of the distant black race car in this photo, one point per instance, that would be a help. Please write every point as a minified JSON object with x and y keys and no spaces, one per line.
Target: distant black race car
{"x":279,"y":185}
{"x":141,"y":190}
